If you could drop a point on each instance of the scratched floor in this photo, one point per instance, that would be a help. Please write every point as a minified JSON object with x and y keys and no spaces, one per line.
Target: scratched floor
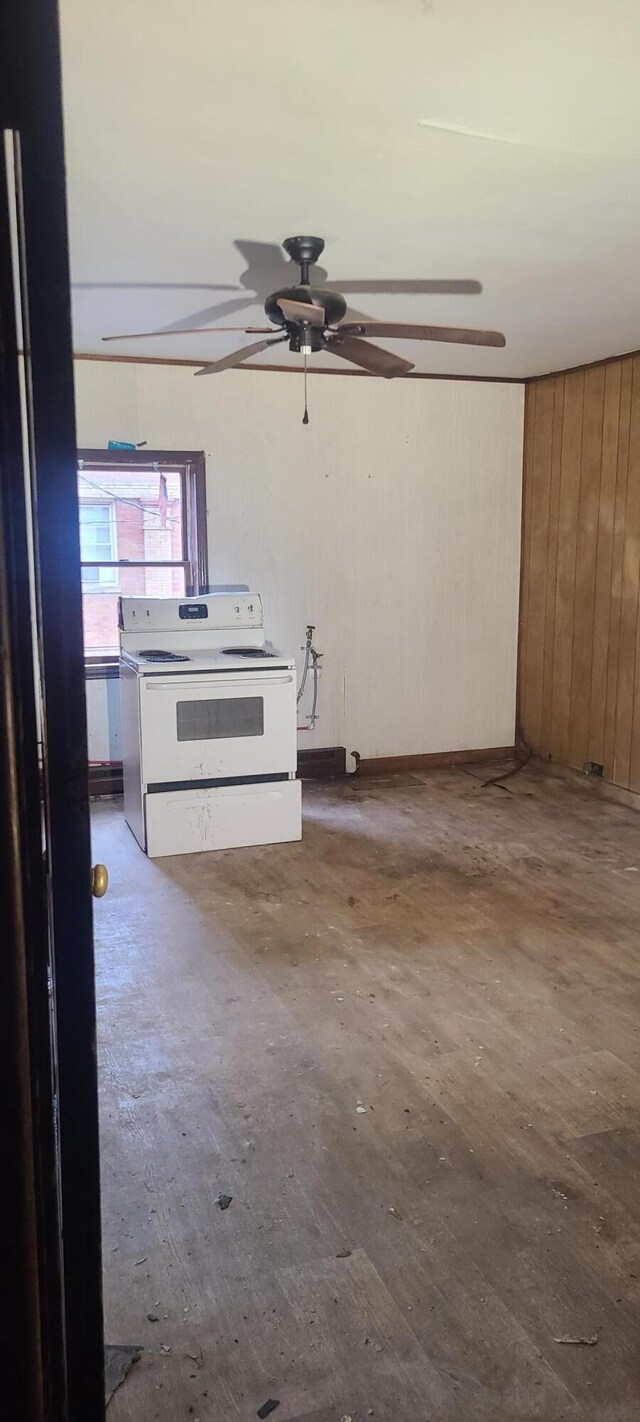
{"x":408,"y":1048}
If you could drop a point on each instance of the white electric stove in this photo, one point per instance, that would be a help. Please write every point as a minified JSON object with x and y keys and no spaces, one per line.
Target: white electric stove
{"x":208,"y":725}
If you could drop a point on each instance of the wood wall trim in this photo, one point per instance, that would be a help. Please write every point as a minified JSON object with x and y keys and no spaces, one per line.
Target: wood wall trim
{"x":579,"y":668}
{"x":295,"y":370}
{"x":363,"y":374}
{"x":370,"y":375}
{"x":575,"y":369}
{"x":391,"y":764}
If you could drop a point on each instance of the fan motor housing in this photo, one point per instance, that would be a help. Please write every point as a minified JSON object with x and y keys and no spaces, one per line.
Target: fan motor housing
{"x":332,"y":303}
{"x":307,"y":338}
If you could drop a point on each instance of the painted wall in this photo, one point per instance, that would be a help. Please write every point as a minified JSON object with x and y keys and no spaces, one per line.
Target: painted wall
{"x":579,"y":669}
{"x":391,"y":522}
{"x":103,"y":719}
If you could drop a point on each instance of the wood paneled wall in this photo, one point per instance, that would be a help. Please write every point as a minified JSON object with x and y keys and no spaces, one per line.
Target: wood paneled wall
{"x":579,"y":672}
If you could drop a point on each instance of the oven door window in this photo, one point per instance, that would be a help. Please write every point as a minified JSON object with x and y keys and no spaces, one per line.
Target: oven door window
{"x":221,"y":718}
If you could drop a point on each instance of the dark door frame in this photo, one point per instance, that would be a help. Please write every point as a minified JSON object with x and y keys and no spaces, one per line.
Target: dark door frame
{"x":32,"y":1315}
{"x":54,"y":1279}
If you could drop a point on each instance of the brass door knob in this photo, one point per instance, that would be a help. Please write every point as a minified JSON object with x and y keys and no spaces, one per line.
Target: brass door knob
{"x":99,"y":880}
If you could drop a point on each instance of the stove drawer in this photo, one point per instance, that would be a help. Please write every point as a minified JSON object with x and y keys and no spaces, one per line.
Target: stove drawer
{"x":213,"y":727}
{"x":188,"y":821}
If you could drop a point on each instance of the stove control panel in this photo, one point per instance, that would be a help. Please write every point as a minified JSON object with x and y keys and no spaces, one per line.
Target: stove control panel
{"x":210,"y":611}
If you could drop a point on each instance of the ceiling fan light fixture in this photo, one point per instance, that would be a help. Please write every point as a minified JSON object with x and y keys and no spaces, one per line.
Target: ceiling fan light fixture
{"x":311,"y":319}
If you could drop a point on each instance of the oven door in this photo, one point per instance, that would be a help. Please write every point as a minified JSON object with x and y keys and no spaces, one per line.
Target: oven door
{"x":217,"y":726}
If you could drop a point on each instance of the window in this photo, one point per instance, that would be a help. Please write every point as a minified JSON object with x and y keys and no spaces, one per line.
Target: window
{"x":97,"y":541}
{"x":142,"y":533}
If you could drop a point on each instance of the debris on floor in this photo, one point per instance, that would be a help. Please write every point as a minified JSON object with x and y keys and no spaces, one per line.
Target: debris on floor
{"x":394,"y":1212}
{"x":118,"y":1358}
{"x":344,"y":1254}
{"x":579,"y":1342}
{"x":268,"y":1406}
{"x":224,"y":1201}
{"x":153,"y":1317}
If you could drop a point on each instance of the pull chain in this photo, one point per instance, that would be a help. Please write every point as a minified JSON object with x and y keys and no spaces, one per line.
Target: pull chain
{"x":305,"y":417}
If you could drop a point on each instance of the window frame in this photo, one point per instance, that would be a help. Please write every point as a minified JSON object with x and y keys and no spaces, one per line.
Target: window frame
{"x":191,"y":466}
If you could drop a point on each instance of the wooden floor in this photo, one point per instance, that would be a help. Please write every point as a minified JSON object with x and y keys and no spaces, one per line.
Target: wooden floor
{"x":409,"y":1049}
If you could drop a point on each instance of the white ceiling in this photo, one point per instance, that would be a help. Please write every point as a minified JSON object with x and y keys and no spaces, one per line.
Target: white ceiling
{"x":194,"y":123}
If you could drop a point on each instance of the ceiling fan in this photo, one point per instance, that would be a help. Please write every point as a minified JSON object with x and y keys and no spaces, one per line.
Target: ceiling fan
{"x":312,"y":319}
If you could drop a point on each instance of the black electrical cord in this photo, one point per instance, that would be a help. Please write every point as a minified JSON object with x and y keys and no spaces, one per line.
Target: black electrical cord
{"x":507,"y":774}
{"x":498,"y":779}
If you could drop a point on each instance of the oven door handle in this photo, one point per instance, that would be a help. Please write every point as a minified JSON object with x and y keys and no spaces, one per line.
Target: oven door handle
{"x":179,"y":685}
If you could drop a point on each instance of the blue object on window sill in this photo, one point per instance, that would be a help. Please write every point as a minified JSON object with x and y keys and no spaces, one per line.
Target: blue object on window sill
{"x":120,"y":444}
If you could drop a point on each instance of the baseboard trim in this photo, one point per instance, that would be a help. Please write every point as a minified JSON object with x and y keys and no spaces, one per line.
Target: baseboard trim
{"x":105,"y":779}
{"x":325,"y":763}
{"x":391,"y":764}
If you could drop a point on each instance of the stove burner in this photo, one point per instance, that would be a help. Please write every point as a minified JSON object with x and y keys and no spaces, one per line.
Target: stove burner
{"x":158,"y":656}
{"x":247,"y":652}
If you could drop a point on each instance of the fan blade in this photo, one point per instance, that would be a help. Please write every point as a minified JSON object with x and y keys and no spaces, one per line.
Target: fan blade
{"x":237,"y":357}
{"x":191,"y":331}
{"x":372,"y":358}
{"x":302,"y":311}
{"x":404,"y":331}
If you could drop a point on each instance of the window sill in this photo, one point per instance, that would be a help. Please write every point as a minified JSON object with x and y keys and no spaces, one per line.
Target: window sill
{"x":100,"y":589}
{"x":101,"y":669}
